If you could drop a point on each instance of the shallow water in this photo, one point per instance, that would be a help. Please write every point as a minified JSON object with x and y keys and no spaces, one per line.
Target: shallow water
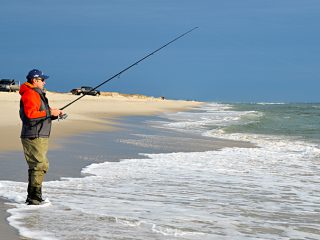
{"x":265,"y":192}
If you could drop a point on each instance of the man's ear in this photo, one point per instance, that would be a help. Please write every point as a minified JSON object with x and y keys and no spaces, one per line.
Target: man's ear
{"x":32,"y":81}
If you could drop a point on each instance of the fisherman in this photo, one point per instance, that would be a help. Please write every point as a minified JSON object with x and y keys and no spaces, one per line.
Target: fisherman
{"x":36,"y":116}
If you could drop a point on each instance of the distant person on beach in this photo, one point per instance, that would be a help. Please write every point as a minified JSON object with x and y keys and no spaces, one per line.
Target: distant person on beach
{"x":36,"y":116}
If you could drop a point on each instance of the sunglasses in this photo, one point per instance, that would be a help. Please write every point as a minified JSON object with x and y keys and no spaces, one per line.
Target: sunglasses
{"x":40,"y":79}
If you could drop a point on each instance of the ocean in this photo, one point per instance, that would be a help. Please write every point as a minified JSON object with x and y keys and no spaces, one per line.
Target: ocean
{"x":266,"y":190}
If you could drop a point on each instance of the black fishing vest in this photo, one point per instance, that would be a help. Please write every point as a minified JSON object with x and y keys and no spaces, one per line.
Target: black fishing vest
{"x":36,"y":127}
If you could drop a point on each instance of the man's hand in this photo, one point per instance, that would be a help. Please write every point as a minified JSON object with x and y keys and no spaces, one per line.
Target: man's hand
{"x":56,"y":112}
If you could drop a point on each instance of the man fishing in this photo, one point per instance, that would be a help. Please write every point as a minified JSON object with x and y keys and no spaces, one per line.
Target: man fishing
{"x":36,"y":116}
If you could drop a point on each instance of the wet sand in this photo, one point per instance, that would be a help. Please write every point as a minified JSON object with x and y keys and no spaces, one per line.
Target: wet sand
{"x":6,"y":231}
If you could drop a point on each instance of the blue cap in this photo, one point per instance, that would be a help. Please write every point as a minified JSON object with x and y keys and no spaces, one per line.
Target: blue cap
{"x":35,"y":73}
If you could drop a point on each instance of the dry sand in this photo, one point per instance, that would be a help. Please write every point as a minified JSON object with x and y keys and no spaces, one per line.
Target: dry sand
{"x":88,"y":114}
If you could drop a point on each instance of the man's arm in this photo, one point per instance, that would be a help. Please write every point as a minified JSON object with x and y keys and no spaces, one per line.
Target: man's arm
{"x":31,"y":105}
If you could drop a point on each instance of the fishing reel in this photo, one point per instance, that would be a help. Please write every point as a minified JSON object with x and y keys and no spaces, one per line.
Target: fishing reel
{"x":62,"y":117}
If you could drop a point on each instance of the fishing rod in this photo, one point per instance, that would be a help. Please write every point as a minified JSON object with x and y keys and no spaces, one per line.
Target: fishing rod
{"x":127,"y":68}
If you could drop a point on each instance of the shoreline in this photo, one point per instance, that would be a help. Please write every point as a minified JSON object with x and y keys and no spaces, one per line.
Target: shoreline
{"x":111,"y":128}
{"x":117,"y":149}
{"x":7,"y":231}
{"x":102,"y":116}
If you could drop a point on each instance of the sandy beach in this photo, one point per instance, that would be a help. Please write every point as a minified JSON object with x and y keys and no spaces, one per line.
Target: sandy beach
{"x":90,"y":114}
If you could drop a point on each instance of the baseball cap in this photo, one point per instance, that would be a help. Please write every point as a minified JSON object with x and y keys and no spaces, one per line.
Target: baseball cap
{"x":35,"y":73}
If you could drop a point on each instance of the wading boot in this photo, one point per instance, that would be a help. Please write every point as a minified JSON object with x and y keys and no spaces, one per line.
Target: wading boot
{"x":35,"y":197}
{"x":29,"y":187}
{"x":29,"y":194}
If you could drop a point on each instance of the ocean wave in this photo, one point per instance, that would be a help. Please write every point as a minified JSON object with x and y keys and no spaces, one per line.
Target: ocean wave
{"x":270,"y":103}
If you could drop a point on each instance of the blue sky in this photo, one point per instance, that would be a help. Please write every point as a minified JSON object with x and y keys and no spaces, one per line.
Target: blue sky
{"x":244,"y":51}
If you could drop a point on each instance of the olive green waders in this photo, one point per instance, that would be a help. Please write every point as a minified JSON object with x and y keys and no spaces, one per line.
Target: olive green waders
{"x":35,"y":152}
